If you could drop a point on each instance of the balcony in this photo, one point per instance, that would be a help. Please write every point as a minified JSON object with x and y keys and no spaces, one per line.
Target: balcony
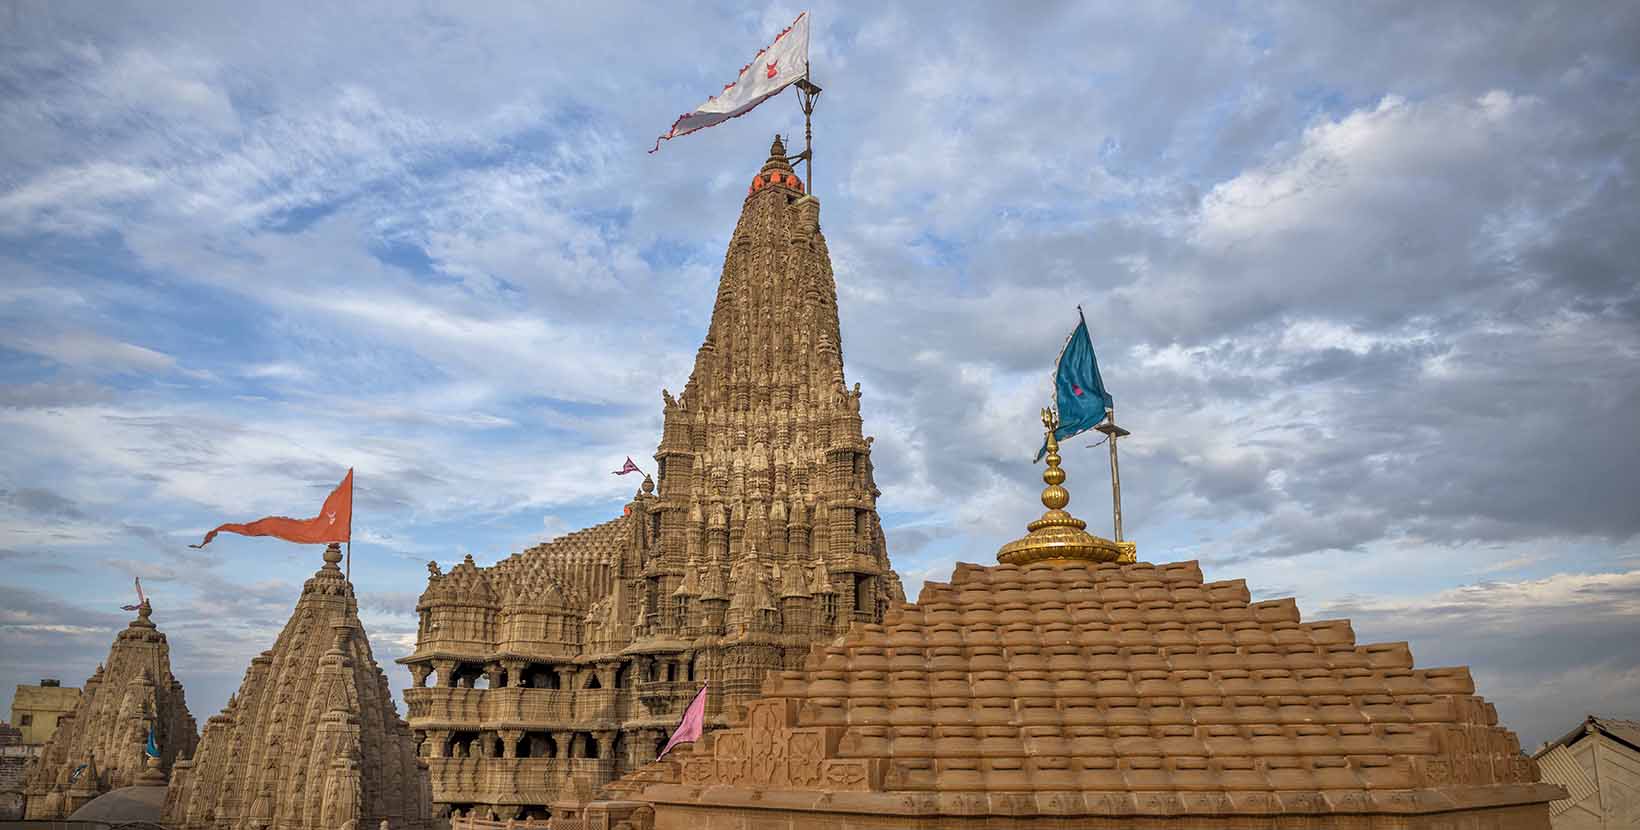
{"x":431,"y":708}
{"x":511,"y":780}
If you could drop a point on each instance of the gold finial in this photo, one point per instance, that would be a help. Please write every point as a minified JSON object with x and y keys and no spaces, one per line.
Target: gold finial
{"x":1057,"y":535}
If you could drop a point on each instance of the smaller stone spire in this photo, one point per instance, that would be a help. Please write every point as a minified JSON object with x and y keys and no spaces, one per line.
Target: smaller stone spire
{"x":1058,"y":534}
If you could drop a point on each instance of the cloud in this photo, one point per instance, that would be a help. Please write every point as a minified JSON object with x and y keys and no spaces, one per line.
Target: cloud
{"x":1361,"y":283}
{"x":1547,"y":651}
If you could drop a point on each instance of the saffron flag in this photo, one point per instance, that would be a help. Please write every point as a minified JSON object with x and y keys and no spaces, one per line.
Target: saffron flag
{"x":689,"y":729}
{"x":333,"y":524}
{"x":1079,"y":393}
{"x":628,"y":467}
{"x":776,"y":66}
{"x":140,"y":599}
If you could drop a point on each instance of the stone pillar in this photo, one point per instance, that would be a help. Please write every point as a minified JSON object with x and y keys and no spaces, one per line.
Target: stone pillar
{"x":446,"y":673}
{"x":606,"y":675}
{"x":515,"y":672}
{"x":566,"y":677}
{"x":510,"y":738}
{"x":419,"y":672}
{"x":438,"y":740}
{"x":606,"y":744}
{"x":493,"y":672}
{"x":562,"y":742}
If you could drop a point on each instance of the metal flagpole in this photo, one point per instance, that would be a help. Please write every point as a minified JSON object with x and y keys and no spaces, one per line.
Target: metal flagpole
{"x":806,"y":93}
{"x":1110,"y":429}
{"x":349,"y":555}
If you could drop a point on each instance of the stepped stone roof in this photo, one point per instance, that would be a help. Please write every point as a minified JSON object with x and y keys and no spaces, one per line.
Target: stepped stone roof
{"x":1074,"y":687}
{"x":311,"y":741}
{"x":100,"y":745}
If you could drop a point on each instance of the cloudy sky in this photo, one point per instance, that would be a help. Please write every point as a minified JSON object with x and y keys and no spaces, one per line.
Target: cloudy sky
{"x":1362,"y":279}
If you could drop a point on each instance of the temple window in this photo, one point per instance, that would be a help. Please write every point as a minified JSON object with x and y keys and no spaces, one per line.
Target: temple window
{"x":862,"y":593}
{"x":589,"y":745}
{"x":592,"y":682}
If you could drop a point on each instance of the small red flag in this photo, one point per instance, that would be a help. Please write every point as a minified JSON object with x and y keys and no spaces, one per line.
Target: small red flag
{"x":333,"y":524}
{"x":689,"y":729}
{"x":628,"y":467}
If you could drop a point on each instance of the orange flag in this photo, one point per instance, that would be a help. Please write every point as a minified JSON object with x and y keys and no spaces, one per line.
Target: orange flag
{"x":333,"y":524}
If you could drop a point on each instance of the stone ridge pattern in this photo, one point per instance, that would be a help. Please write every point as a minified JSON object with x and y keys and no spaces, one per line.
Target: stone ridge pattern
{"x":101,"y":745}
{"x":572,"y":661}
{"x":1102,"y":695}
{"x":311,"y":740}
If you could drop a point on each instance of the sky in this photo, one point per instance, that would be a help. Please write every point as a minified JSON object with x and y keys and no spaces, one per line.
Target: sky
{"x":1361,"y":278}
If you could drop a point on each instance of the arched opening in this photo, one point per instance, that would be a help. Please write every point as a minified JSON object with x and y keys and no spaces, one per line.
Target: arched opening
{"x":671,"y":671}
{"x":660,"y":744}
{"x":621,"y":676}
{"x":589,"y":746}
{"x":535,"y":812}
{"x":592,"y":682}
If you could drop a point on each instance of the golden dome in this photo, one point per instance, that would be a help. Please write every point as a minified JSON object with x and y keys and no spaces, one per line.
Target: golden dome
{"x":1058,"y":534}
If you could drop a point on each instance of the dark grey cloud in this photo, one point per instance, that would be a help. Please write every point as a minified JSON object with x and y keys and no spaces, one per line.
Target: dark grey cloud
{"x":38,"y":501}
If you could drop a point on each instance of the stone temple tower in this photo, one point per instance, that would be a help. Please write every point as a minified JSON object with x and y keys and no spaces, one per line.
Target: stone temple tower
{"x":311,"y":740}
{"x":567,"y":664}
{"x":101,"y":745}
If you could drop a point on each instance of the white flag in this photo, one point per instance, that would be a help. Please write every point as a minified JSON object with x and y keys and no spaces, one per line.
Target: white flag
{"x":776,"y":67}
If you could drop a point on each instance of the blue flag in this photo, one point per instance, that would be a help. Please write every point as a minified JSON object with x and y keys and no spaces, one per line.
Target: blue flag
{"x":1079,"y":393}
{"x":153,"y":745}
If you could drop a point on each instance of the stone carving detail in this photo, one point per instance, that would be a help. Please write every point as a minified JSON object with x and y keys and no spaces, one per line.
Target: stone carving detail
{"x":311,"y":740}
{"x":770,"y":752}
{"x":756,"y":537}
{"x":100,"y":746}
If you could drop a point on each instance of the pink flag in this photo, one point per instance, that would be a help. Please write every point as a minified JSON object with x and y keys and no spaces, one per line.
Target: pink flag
{"x":688,"y":731}
{"x":628,"y":467}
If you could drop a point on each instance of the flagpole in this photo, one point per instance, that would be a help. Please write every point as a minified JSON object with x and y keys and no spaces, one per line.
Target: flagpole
{"x":806,"y":93}
{"x":1110,"y":429}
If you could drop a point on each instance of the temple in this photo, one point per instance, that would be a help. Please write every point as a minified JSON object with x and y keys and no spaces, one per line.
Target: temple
{"x":311,"y":740}
{"x":101,"y":745}
{"x":1064,"y":687}
{"x":758,"y":536}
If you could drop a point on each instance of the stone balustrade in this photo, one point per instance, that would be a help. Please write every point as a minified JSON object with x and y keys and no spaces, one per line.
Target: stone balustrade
{"x":513,"y":780}
{"x":499,"y":708}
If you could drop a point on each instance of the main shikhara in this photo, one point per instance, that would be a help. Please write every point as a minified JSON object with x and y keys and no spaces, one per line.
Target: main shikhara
{"x":758,"y":537}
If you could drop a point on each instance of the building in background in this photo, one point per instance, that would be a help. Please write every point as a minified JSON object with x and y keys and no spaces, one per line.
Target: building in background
{"x":35,"y":709}
{"x":1599,"y":765}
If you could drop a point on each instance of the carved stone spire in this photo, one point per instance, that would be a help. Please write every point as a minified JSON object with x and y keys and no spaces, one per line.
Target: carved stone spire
{"x":132,"y":692}
{"x":311,"y":740}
